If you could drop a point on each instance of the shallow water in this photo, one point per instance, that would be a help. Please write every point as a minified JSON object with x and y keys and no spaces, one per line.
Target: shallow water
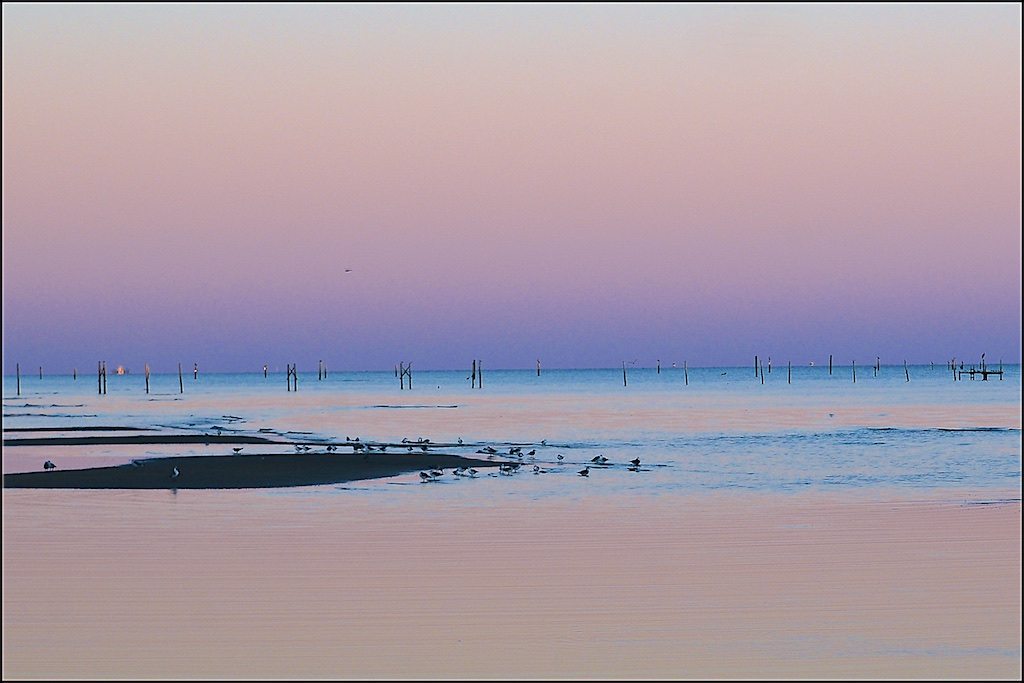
{"x":723,"y":429}
{"x":820,"y":528}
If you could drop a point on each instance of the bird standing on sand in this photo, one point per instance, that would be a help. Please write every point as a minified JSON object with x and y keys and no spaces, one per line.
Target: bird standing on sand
{"x":424,"y":477}
{"x":238,"y":450}
{"x":585,"y":472}
{"x":561,"y":457}
{"x":636,"y":462}
{"x":175,"y":473}
{"x":48,"y":465}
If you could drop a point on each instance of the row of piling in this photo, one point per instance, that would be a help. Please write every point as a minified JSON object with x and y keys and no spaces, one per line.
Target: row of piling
{"x":403,"y":372}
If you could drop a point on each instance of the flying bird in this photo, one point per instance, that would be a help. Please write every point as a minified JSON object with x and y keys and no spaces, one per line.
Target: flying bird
{"x":175,"y":473}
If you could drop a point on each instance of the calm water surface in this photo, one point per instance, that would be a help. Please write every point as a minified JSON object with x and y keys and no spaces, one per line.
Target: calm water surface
{"x":819,"y":528}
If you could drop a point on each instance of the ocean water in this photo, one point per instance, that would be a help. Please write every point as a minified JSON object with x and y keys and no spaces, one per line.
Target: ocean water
{"x":816,"y":529}
{"x":708,"y":429}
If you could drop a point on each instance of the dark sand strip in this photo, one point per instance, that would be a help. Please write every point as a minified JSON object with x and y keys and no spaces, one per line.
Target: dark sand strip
{"x":78,"y":429}
{"x":240,"y":471}
{"x":145,"y":439}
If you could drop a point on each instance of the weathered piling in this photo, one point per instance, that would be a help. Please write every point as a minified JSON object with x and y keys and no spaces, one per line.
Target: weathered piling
{"x":1000,"y":369}
{"x":147,"y":378}
{"x":762,"y":374}
{"x":755,"y":366}
{"x":624,"y":373}
{"x":40,"y":372}
{"x":401,"y":375}
{"x":99,"y":377}
{"x":538,"y":367}
{"x":769,"y":365}
{"x":288,"y":376}
{"x":659,"y":366}
{"x":854,"y":371}
{"x":906,"y":370}
{"x":74,"y":374}
{"x":789,"y":372}
{"x":17,"y":372}
{"x":264,"y":370}
{"x":104,"y":378}
{"x":472,"y":375}
{"x":479,"y":374}
{"x":686,"y":375}
{"x":830,"y":363}
{"x":195,"y":371}
{"x":181,"y":383}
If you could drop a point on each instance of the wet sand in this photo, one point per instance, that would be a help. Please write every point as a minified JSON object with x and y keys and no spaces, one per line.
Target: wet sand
{"x":338,"y":585}
{"x":241,"y":471}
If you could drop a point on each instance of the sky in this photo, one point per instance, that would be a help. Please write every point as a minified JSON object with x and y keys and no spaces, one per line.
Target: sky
{"x":581,"y":184}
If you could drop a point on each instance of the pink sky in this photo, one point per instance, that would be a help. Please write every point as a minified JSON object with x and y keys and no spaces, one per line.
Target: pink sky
{"x":579,"y":183}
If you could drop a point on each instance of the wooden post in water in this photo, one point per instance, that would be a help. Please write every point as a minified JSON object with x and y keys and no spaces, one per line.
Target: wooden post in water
{"x":147,"y":378}
{"x":264,"y":371}
{"x":325,"y":370}
{"x":401,"y":375}
{"x":755,"y":366}
{"x":906,"y":370}
{"x":762,"y":374}
{"x":854,"y":372}
{"x":195,"y":371}
{"x":686,"y":375}
{"x":624,"y":373}
{"x":295,"y":377}
{"x":99,"y":377}
{"x":1000,"y":369}
{"x":40,"y":372}
{"x":104,"y":378}
{"x":830,"y":363}
{"x":17,"y":372}
{"x":659,"y":366}
{"x":408,"y":371}
{"x":789,"y":372}
{"x":181,"y":383}
{"x":480,"y":374}
{"x":538,"y":367}
{"x":74,"y":374}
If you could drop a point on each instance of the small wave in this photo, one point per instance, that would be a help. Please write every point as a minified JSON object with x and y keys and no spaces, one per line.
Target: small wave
{"x":411,"y":406}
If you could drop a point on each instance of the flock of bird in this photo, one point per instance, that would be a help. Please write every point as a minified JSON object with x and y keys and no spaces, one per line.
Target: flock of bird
{"x":433,"y":475}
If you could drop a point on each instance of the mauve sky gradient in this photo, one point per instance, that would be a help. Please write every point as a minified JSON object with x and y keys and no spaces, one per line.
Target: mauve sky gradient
{"x":583,"y":184}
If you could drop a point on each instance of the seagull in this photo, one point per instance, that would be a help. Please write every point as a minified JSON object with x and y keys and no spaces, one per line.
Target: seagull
{"x":636,"y":462}
{"x":436,"y":473}
{"x":596,"y":458}
{"x":472,"y":472}
{"x":544,"y":442}
{"x":48,"y":465}
{"x":175,"y":473}
{"x":331,"y":448}
{"x":238,"y":450}
{"x":460,"y":440}
{"x":561,"y":457}
{"x":585,"y":472}
{"x":536,"y":469}
{"x":424,"y":477}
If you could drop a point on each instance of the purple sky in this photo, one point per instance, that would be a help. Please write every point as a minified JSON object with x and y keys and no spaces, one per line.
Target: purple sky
{"x":580,"y":183}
